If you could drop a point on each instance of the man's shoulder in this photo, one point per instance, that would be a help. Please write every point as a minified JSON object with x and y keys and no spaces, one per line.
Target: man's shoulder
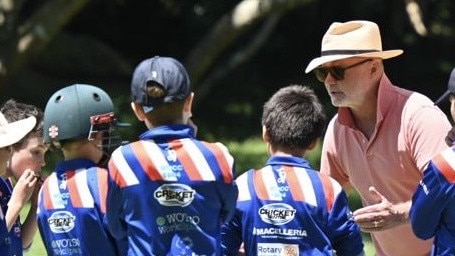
{"x":413,"y":98}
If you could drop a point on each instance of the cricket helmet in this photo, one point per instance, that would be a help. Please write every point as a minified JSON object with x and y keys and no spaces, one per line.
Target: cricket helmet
{"x":76,"y":112}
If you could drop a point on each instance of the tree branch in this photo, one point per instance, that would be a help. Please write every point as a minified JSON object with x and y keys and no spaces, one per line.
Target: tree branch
{"x":229,"y":28}
{"x":239,"y":57}
{"x":415,"y":17}
{"x":36,"y":33}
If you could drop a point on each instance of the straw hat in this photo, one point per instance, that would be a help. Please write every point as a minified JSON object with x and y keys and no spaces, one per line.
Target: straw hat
{"x":356,"y":38}
{"x":13,"y":132}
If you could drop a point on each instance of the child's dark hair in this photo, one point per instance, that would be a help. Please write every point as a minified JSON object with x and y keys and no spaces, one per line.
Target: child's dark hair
{"x":15,"y":111}
{"x":294,"y":117}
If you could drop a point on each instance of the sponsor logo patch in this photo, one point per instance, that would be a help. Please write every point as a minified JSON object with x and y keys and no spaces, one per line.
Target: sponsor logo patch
{"x":276,"y":249}
{"x":61,"y":221}
{"x":174,"y":195}
{"x":277,"y":213}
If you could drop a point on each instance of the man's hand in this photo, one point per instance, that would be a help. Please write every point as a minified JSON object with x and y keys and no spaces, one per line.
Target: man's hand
{"x":382,"y":215}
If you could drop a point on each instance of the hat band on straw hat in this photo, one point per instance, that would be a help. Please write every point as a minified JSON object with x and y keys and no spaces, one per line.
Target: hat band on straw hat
{"x":345,"y":52}
{"x":357,"y":38}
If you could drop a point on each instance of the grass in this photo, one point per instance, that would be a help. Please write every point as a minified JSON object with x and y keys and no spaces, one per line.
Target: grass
{"x":251,"y":153}
{"x":37,"y":248}
{"x":368,"y":245}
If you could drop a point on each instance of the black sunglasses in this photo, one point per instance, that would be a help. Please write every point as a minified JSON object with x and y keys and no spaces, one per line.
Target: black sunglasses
{"x":321,"y":73}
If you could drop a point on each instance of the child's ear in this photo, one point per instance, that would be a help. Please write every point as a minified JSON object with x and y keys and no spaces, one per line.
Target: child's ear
{"x":188,"y":103}
{"x":313,"y":144}
{"x":138,"y":111}
{"x":265,"y":134}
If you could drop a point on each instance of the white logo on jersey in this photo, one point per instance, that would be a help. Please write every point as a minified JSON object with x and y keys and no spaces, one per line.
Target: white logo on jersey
{"x":174,"y":195}
{"x":282,"y":174}
{"x":61,"y":221}
{"x":171,"y":155}
{"x":277,"y":213}
{"x":63,"y":184}
{"x":275,"y":249}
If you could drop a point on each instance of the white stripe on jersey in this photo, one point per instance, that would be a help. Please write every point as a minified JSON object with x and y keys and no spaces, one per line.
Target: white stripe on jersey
{"x":336,"y":188}
{"x":123,"y":168}
{"x":82,"y":188}
{"x":198,"y":160}
{"x":268,"y":177}
{"x":229,"y":158}
{"x":242,"y":185}
{"x":306,"y":185}
{"x":54,"y":192}
{"x":155,"y":154}
{"x":449,"y":156}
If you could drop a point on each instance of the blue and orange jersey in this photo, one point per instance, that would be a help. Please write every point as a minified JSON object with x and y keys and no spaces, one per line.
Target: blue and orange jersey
{"x":432,"y":212}
{"x":287,"y":208}
{"x":169,"y":193}
{"x":6,"y":243}
{"x":15,"y":238}
{"x":71,"y":208}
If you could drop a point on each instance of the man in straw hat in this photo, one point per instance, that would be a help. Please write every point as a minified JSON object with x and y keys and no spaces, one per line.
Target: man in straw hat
{"x":382,"y":138}
{"x":433,"y":203}
{"x":10,"y":133}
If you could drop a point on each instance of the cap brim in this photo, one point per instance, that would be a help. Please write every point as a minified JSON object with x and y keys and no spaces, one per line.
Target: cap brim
{"x":324,"y":59}
{"x":13,"y":132}
{"x":443,"y":97}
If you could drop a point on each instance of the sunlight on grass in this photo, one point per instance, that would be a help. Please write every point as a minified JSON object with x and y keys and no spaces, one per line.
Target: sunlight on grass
{"x":37,"y":248}
{"x":368,"y":245}
{"x":251,"y":153}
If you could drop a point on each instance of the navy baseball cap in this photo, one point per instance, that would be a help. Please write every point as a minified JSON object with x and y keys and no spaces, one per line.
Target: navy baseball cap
{"x":450,"y":88}
{"x":167,"y":72}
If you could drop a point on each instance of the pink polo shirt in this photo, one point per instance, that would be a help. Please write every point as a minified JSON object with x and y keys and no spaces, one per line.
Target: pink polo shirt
{"x":409,"y":131}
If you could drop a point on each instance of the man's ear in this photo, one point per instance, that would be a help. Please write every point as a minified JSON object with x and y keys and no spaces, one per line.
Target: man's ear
{"x":376,"y":68}
{"x":138,"y":111}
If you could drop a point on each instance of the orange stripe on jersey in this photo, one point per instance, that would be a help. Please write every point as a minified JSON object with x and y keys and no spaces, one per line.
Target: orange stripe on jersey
{"x":259,"y":185}
{"x":224,"y":165}
{"x":102,"y":188}
{"x":445,"y":169}
{"x":328,"y":191}
{"x":115,"y":175}
{"x":47,"y":196}
{"x":146,"y":163}
{"x":185,"y":160}
{"x":72,"y":188}
{"x":294,"y":184}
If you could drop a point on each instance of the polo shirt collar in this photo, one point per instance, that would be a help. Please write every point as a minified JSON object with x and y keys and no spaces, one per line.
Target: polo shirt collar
{"x":385,"y":99}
